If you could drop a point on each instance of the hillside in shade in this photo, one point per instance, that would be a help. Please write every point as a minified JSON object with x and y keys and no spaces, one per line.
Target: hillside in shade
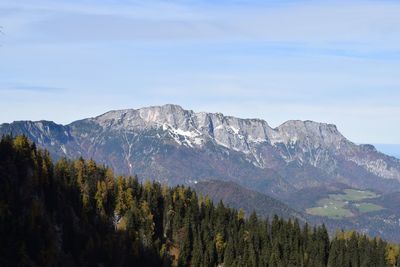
{"x":238,"y":197}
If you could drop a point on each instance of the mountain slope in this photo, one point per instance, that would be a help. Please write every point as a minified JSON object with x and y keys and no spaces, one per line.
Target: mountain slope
{"x":173,"y":145}
{"x":239,"y":197}
{"x":293,"y":162}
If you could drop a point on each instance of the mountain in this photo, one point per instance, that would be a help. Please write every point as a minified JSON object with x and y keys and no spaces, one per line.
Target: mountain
{"x":177,"y":146}
{"x":238,"y":197}
{"x":301,"y":163}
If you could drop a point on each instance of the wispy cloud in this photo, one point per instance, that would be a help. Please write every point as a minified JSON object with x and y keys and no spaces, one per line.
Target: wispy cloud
{"x":354,"y":25}
{"x":29,"y":88}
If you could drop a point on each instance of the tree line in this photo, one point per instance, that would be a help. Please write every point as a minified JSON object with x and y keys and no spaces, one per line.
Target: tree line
{"x":77,"y":213}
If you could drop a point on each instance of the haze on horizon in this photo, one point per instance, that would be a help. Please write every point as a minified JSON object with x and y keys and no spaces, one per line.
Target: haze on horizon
{"x":333,"y":61}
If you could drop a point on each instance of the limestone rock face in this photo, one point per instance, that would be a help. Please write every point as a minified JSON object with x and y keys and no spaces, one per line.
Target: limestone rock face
{"x":173,"y":145}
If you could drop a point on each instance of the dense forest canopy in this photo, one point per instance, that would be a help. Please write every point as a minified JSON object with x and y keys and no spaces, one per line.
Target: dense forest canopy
{"x":77,"y":213}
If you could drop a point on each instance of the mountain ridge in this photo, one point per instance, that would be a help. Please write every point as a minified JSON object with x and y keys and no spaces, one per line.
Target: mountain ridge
{"x":137,"y":141}
{"x":175,"y":146}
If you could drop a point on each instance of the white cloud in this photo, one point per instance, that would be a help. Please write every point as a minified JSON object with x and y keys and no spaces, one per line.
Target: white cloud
{"x":354,"y":25}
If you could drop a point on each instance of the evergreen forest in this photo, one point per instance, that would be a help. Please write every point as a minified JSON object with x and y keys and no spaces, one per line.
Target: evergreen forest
{"x":78,"y":213}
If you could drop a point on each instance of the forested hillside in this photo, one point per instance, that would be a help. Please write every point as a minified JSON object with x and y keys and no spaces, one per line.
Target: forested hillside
{"x":239,"y":197}
{"x":77,"y":213}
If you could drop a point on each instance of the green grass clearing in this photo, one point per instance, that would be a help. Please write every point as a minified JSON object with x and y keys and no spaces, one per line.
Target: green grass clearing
{"x":354,"y":195}
{"x":330,"y":211}
{"x":367,"y":207}
{"x":336,"y":205}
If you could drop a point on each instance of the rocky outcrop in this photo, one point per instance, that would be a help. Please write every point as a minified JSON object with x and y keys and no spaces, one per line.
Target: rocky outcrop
{"x":174,"y":145}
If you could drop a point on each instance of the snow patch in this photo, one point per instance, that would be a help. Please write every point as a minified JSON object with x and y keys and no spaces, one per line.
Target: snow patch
{"x":63,"y":149}
{"x":185,"y":133}
{"x":235,"y":130}
{"x":255,"y":139}
{"x":182,"y":137}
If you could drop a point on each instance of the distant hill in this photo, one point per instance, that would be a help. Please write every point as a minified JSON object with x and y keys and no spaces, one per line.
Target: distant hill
{"x":239,"y":197}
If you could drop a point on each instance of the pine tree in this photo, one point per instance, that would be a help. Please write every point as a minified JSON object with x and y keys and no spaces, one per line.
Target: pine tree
{"x":197,"y":253}
{"x":229,"y":254}
{"x":186,"y":244}
{"x":101,"y":198}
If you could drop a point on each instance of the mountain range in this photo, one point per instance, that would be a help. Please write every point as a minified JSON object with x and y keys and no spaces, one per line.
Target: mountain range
{"x":176,"y":146}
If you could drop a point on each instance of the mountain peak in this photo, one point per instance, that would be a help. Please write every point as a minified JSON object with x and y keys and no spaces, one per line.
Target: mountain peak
{"x":150,"y":116}
{"x":296,"y":130}
{"x":308,"y":125}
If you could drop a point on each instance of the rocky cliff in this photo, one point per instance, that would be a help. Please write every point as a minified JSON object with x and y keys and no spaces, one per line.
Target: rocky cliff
{"x":174,"y":145}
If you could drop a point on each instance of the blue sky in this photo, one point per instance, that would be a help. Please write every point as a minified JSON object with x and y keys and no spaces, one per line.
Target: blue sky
{"x":328,"y":61}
